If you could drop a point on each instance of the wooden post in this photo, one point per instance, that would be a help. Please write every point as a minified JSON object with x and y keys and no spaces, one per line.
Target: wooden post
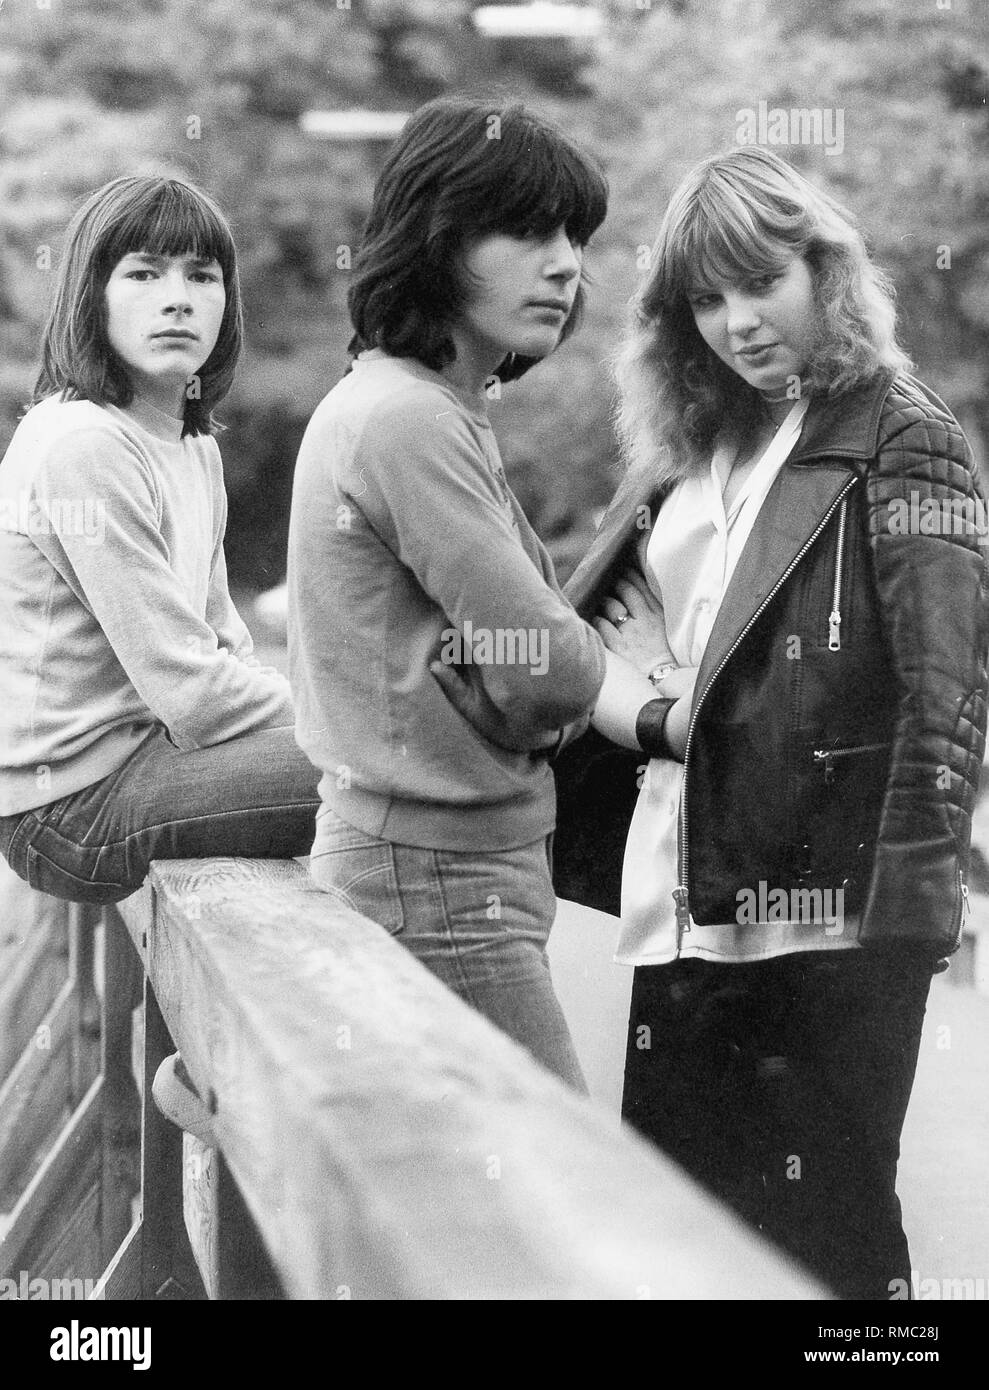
{"x":122,"y":988}
{"x":168,"y":1269}
{"x":84,"y":924}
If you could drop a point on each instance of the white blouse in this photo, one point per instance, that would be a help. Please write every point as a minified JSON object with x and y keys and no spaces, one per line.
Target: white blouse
{"x":690,"y":558}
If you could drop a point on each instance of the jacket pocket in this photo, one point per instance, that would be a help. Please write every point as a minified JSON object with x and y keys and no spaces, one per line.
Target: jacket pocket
{"x":831,"y":758}
{"x":843,"y":792}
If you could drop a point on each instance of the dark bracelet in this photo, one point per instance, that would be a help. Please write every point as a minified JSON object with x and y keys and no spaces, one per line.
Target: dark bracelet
{"x":650,"y":728}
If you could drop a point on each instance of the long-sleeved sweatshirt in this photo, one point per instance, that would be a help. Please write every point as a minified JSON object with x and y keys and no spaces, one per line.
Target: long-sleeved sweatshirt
{"x":407,"y":546}
{"x":115,"y":614}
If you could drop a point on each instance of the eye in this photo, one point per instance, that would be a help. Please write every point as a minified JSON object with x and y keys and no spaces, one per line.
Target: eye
{"x":707,"y":300}
{"x":761,"y":283}
{"x":139,"y":274}
{"x":207,"y":275}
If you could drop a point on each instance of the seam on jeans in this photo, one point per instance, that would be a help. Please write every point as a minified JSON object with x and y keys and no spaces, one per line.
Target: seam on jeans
{"x":15,"y":833}
{"x":340,"y":896}
{"x":31,"y":857}
{"x":180,"y":820}
{"x":465,"y":988}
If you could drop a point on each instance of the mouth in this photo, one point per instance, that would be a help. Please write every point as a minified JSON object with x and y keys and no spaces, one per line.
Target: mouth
{"x":184,"y":335}
{"x":560,"y":306}
{"x":753,"y":353}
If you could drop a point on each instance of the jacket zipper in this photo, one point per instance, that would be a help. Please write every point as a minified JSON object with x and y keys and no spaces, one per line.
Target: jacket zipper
{"x":834,"y":618}
{"x":680,"y":893}
{"x":828,"y":755}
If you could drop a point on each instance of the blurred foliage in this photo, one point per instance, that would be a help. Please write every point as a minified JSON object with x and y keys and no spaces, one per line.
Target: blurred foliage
{"x":93,"y":88}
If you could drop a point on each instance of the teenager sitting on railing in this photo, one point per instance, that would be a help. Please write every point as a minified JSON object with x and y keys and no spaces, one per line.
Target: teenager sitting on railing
{"x":135,"y":723}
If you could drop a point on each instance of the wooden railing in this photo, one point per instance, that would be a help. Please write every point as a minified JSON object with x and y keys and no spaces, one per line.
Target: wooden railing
{"x":376,"y":1138}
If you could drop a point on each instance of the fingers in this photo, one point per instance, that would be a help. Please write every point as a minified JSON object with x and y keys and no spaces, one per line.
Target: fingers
{"x":634,"y":591}
{"x":609,"y":633}
{"x":615,"y":610}
{"x":631,"y":597}
{"x":631,"y":588}
{"x":679,"y":684}
{"x":456,"y":689}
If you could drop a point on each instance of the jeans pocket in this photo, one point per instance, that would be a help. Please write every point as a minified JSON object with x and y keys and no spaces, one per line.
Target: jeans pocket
{"x":363,"y":878}
{"x":9,"y":826}
{"x":47,"y":876}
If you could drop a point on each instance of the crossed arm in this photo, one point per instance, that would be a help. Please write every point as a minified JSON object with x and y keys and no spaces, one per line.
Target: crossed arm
{"x":635,"y":645}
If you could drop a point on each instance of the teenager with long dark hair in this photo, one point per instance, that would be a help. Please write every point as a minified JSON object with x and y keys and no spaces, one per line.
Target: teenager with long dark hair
{"x":410,"y":558}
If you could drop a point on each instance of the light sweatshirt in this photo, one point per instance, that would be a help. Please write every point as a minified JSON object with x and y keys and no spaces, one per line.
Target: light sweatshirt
{"x":115,"y":614}
{"x":406,"y":546}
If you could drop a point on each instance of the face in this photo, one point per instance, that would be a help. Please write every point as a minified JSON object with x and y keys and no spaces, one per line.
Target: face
{"x":163,"y":319}
{"x":524,"y":292}
{"x":763,"y":328}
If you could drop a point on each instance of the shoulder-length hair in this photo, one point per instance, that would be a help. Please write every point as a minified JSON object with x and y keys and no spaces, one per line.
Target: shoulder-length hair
{"x":160,"y":216}
{"x":462,"y":168}
{"x":734,"y":217}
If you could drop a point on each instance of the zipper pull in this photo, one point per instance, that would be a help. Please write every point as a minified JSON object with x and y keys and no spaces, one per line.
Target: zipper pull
{"x":834,"y":636}
{"x":967,"y":905}
{"x":683,"y":911}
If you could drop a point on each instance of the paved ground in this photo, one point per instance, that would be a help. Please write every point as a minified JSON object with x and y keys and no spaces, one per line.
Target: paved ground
{"x":943,"y":1167}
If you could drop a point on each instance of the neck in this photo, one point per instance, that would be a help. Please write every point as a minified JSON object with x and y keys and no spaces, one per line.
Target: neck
{"x":473,"y":366}
{"x":169,"y":402}
{"x":777,"y":408}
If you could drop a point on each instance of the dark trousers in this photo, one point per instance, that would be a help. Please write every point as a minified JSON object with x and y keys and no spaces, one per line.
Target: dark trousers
{"x":782,"y":1086}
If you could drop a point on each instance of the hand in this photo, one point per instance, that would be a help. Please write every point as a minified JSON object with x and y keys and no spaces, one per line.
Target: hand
{"x":467,"y":695}
{"x":631,"y":622}
{"x":679,"y":684}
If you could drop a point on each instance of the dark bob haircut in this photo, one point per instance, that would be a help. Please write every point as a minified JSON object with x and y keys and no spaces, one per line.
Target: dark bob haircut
{"x":160,"y":216}
{"x":462,"y":168}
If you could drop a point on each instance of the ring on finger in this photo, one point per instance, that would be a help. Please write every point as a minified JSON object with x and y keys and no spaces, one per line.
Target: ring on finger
{"x":622,"y":618}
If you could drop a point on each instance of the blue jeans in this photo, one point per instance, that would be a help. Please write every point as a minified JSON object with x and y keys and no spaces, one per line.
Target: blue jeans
{"x":254,"y":796}
{"x":479,"y":921}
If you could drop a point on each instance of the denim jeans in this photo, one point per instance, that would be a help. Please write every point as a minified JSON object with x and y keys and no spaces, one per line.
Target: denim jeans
{"x":254,"y":796}
{"x":782,"y":1085}
{"x":479,"y":921}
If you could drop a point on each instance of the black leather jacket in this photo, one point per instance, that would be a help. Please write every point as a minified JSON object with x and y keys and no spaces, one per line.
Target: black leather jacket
{"x":820,"y":754}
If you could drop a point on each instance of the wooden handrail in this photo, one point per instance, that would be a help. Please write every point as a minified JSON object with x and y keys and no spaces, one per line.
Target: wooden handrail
{"x":387,"y":1141}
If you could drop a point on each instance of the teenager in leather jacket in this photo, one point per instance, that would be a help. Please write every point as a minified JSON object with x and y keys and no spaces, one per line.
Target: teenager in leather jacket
{"x":806,"y":768}
{"x":794,"y":558}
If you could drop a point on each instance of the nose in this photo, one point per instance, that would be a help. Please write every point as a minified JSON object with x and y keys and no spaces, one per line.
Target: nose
{"x":742,"y":315}
{"x":563,"y":259}
{"x":175,"y":289}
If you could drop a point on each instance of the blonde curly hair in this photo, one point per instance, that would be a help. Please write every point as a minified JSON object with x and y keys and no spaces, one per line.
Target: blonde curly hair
{"x":736,"y":216}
